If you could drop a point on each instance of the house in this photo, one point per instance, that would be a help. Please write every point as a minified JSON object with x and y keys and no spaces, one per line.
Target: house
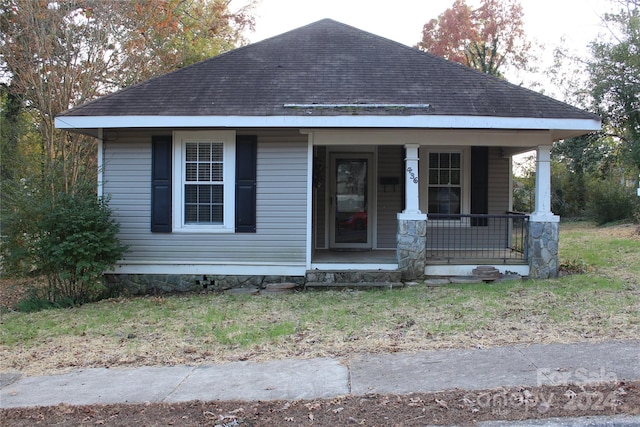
{"x":325,"y":148}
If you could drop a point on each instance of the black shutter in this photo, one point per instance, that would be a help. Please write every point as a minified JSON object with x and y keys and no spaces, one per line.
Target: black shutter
{"x":161,"y":206}
{"x":479,"y":184}
{"x":246,"y":152}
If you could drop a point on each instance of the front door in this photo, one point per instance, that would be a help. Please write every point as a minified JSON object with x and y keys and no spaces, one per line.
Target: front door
{"x":351,"y":175}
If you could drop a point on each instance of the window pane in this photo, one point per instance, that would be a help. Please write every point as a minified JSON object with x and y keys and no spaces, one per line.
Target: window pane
{"x":204,"y":194}
{"x":433,"y":160}
{"x":204,"y":213}
{"x":217,"y":152}
{"x":433,"y":200}
{"x":455,"y":177}
{"x":444,"y":160}
{"x":191,"y":152}
{"x":191,"y":194}
{"x":217,"y":214}
{"x":204,"y":173}
{"x":455,"y":160}
{"x":444,"y":177}
{"x":433,"y":177}
{"x":454,"y":200}
{"x":217,"y":194}
{"x":216,"y":172}
{"x":190,"y":214}
{"x":191,"y":170}
{"x":204,"y":154}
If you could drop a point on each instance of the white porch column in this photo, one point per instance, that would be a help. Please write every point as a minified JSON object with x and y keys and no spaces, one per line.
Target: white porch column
{"x":542,"y":212}
{"x":543,"y":224}
{"x":412,"y":190}
{"x":412,"y":224}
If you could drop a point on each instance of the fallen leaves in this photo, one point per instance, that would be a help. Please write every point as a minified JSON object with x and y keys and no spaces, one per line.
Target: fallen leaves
{"x":442,"y":403}
{"x":457,"y":407}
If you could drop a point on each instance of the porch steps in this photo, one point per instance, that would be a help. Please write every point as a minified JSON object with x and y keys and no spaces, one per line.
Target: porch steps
{"x":353,"y":279}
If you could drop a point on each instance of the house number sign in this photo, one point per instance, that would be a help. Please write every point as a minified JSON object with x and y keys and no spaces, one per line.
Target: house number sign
{"x":412,"y":175}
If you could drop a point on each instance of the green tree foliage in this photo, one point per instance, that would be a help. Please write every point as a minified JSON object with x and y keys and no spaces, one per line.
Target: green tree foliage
{"x":488,"y":38}
{"x":18,"y":139}
{"x":70,"y":238}
{"x":62,"y":53}
{"x":610,"y":201}
{"x":57,"y":54}
{"x":55,"y":58}
{"x":578,"y":163}
{"x":615,"y":78}
{"x":524,"y":185}
{"x":596,"y":173}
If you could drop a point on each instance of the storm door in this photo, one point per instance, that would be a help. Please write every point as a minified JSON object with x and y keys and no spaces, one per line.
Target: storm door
{"x":351,"y":176}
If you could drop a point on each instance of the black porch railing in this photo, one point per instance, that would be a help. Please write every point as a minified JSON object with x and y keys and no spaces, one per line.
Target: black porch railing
{"x":477,"y":238}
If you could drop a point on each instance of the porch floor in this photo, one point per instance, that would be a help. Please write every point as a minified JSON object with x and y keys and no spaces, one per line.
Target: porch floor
{"x":388,"y":257}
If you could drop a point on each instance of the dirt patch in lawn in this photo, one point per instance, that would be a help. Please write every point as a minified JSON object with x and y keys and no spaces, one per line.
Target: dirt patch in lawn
{"x":12,"y":291}
{"x":622,"y":231}
{"x":457,"y":407}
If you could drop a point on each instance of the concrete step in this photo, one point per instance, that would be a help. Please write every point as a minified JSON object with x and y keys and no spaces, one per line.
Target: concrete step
{"x":355,"y":286}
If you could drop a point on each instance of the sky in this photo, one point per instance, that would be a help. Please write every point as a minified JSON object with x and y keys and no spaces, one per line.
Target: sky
{"x":546,"y":21}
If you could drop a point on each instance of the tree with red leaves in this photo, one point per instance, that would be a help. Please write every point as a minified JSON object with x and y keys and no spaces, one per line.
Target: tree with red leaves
{"x":488,"y":38}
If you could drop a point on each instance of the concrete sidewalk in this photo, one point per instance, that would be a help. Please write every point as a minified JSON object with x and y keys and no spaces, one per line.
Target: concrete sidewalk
{"x":399,"y":373}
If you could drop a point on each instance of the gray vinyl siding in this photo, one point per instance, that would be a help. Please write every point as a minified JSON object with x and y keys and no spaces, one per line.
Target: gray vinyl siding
{"x":498,"y":182}
{"x":281,"y":205}
{"x":390,"y":165}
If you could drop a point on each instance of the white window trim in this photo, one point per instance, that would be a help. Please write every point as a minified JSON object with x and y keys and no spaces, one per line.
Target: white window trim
{"x":229,"y":177}
{"x":465,"y":153}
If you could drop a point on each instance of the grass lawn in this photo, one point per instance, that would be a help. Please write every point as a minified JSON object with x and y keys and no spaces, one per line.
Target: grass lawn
{"x":602,"y":304}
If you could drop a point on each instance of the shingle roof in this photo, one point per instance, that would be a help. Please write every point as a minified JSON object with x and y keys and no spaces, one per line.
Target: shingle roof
{"x":327,"y":62}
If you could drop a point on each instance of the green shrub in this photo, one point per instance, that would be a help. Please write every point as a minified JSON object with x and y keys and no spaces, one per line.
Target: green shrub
{"x":37,"y":300}
{"x":612,"y":202}
{"x":69,"y":238}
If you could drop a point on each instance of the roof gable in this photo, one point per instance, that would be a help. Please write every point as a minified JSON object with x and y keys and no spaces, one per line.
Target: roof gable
{"x":328,"y":69}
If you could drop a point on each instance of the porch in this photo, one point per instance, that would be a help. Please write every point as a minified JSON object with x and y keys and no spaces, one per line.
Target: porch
{"x":378,"y":207}
{"x":452,"y":240}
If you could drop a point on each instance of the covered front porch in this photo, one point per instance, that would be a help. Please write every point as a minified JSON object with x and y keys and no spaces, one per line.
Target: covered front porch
{"x":497,"y":240}
{"x":392,"y":207}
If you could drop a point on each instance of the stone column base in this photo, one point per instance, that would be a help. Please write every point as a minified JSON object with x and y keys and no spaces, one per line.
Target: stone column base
{"x":411,"y":249}
{"x":543,"y":249}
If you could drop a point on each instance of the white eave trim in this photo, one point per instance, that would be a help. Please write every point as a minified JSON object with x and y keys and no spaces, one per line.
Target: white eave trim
{"x":350,"y":121}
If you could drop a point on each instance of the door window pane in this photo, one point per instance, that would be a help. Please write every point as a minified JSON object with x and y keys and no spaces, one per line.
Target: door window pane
{"x":352,"y":180}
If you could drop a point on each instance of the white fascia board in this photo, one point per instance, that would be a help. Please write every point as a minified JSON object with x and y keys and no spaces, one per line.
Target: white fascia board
{"x":353,"y":121}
